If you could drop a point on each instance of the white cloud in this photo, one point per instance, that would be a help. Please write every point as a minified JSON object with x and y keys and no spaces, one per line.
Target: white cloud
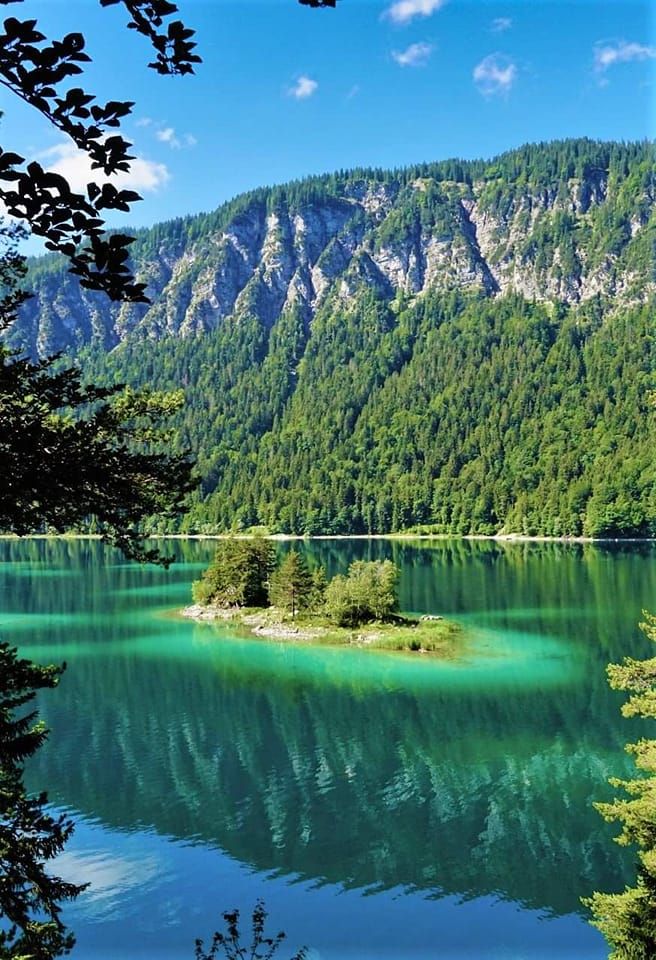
{"x":608,"y":54}
{"x":169,"y":136}
{"x":109,"y":876}
{"x":501,"y":24}
{"x":303,"y":88}
{"x":495,"y":74}
{"x":144,"y":122}
{"x":403,"y":11}
{"x":65,"y":159}
{"x":416,"y":55}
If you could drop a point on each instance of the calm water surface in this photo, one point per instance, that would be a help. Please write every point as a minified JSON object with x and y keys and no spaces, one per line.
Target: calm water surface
{"x":384,"y":806}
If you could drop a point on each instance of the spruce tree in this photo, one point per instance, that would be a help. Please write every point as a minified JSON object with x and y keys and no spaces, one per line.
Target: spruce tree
{"x":260,"y":564}
{"x":628,"y":919}
{"x":72,"y":454}
{"x":319,"y":585}
{"x":238,"y":575}
{"x":30,"y":895}
{"x":291,"y":584}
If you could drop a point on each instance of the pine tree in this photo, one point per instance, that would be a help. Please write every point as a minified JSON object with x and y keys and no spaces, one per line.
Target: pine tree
{"x":238,"y":575}
{"x":30,"y":895}
{"x":628,"y":919}
{"x":70,"y":453}
{"x":319,"y":585}
{"x":291,"y":584}
{"x":261,"y":562}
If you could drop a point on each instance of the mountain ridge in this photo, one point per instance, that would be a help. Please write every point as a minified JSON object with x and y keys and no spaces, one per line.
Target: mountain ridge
{"x":564,"y":233}
{"x":461,"y":347}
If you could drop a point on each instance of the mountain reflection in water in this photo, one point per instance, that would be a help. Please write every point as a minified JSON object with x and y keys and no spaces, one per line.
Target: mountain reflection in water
{"x":367,"y":771}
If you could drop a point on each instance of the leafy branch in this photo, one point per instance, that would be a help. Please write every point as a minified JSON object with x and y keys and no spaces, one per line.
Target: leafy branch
{"x":34,"y":68}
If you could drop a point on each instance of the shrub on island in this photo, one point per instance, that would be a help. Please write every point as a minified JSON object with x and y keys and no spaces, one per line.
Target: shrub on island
{"x":368,"y":592}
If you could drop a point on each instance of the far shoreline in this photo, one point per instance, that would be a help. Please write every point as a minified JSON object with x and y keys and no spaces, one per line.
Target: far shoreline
{"x":300,"y":537}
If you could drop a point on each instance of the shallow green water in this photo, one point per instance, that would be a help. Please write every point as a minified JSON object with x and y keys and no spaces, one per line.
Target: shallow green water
{"x":383,"y":805}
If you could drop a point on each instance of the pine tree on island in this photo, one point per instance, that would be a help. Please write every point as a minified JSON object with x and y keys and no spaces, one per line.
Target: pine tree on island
{"x":238,"y":575}
{"x":319,"y":587}
{"x":291,"y":584}
{"x":245,"y":573}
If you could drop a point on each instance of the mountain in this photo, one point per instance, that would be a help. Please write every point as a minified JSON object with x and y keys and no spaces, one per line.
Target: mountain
{"x":564,"y":221}
{"x":465,"y":346}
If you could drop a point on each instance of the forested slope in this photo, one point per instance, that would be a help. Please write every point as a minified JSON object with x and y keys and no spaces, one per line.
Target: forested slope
{"x":466,"y":346}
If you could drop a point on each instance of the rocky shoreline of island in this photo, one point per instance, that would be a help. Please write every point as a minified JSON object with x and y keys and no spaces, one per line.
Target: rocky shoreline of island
{"x":428,"y":634}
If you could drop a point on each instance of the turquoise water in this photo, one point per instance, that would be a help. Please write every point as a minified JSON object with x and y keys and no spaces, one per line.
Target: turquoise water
{"x":384,"y":806}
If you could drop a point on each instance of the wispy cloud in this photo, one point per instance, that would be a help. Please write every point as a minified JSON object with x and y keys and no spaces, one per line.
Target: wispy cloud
{"x":403,"y":11}
{"x":607,"y":55}
{"x":353,"y":92}
{"x":303,"y":88}
{"x":501,"y":24}
{"x":495,"y":74}
{"x":144,"y":122}
{"x":169,"y":136}
{"x":111,"y":877}
{"x":416,"y":55}
{"x":73,"y":164}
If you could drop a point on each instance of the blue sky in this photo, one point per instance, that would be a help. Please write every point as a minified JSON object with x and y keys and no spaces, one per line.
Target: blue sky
{"x":286,"y":91}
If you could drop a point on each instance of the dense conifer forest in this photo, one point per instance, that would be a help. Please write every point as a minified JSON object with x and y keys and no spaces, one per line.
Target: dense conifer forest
{"x":460,"y":347}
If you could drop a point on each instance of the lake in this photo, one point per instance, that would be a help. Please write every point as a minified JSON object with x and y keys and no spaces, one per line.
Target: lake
{"x":383,"y":805}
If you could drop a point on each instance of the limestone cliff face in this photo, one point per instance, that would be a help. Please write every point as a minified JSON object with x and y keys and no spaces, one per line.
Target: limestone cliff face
{"x":575,"y":238}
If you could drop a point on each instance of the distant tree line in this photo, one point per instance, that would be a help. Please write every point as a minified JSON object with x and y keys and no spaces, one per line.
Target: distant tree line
{"x":453,"y":413}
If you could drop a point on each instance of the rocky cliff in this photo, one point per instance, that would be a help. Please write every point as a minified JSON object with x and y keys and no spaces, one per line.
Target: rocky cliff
{"x":567,"y":222}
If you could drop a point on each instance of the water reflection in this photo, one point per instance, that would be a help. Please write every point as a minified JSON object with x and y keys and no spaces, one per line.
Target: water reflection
{"x":417,"y":790}
{"x":338,"y":775}
{"x":370,"y":772}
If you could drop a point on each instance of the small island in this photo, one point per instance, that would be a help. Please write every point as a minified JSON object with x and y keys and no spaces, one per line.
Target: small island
{"x":248,"y":587}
